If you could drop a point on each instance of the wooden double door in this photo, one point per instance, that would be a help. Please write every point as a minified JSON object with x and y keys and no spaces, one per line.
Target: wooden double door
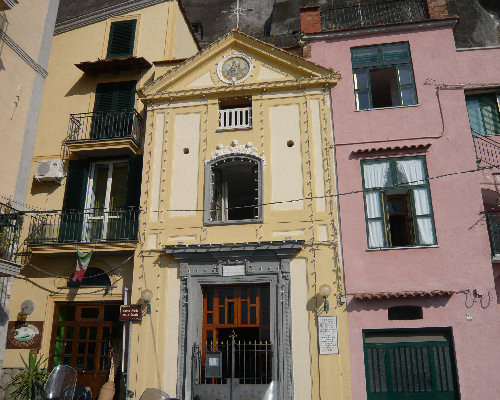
{"x":84,"y":335}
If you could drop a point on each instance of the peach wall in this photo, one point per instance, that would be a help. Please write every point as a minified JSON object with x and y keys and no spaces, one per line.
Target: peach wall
{"x":461,"y":259}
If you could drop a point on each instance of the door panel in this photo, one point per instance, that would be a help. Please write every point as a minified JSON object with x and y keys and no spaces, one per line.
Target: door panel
{"x":82,"y":334}
{"x":416,"y":370}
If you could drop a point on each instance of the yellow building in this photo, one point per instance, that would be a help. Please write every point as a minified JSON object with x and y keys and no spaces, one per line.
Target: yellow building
{"x":229,"y":245}
{"x":239,"y":229}
{"x":86,"y":169}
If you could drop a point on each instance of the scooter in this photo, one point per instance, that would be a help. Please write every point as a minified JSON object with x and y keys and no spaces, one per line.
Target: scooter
{"x":61,"y":385}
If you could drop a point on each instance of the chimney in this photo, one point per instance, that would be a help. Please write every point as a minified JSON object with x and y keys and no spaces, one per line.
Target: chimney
{"x":437,"y":9}
{"x":310,"y":20}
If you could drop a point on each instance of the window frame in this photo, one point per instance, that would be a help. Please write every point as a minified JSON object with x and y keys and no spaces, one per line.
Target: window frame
{"x":477,"y":95}
{"x":383,"y":205}
{"x":207,"y":209}
{"x":381,"y":64}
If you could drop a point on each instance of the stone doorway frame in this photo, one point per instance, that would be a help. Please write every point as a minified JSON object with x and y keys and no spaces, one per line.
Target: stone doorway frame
{"x":264,"y":263}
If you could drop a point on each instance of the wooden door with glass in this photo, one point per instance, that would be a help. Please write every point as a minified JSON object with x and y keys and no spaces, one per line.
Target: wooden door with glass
{"x":84,"y":336}
{"x":106,"y":200}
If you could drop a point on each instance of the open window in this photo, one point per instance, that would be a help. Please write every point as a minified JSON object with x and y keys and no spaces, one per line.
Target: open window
{"x":233,"y":190}
{"x":235,"y":113}
{"x":397,"y":203}
{"x":383,"y":76}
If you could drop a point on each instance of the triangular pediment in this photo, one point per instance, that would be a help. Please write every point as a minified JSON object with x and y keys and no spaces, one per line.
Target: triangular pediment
{"x":234,"y":62}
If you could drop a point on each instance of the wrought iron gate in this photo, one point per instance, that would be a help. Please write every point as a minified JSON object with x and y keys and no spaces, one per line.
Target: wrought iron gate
{"x":232,"y":370}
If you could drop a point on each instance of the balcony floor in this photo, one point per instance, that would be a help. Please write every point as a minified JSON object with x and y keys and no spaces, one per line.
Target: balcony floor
{"x":101,"y":148}
{"x":60,"y":249}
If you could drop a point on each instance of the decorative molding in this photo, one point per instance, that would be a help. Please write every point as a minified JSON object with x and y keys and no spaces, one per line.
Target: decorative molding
{"x":9,"y":268}
{"x":14,"y":46}
{"x":234,"y":149}
{"x":103,"y":14}
{"x":266,"y":262}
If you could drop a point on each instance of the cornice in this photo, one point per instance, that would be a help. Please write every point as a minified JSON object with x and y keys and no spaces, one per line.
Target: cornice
{"x":266,"y":86}
{"x":103,"y":14}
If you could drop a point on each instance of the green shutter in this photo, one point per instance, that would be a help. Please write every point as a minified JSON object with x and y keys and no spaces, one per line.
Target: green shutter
{"x":110,"y":120}
{"x":71,"y":225}
{"x":121,"y":38}
{"x":134,"y":182}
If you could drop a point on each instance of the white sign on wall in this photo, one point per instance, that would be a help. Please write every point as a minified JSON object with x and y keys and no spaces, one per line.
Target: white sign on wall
{"x":328,"y":335}
{"x":233,"y":270}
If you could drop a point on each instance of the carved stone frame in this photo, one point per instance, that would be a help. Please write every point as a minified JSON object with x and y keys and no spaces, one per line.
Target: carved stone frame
{"x":265,"y":262}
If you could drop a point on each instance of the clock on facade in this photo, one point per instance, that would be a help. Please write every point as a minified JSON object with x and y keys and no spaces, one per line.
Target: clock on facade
{"x":234,"y":68}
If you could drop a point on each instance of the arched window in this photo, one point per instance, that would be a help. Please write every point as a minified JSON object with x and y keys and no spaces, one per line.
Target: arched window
{"x":233,"y":190}
{"x":92,"y":277}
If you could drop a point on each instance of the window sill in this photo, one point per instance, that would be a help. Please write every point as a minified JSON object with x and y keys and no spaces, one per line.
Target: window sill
{"x":387,"y":108}
{"x":235,"y":222}
{"x":241,"y":128}
{"x":495,"y":258}
{"x":404,"y":248}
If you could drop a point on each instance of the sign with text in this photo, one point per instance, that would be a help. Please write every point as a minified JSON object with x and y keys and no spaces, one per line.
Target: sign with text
{"x":233,"y":270}
{"x":131,"y":313}
{"x":328,"y":335}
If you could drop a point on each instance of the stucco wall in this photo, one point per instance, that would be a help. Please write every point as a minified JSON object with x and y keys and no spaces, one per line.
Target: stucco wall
{"x":461,"y":258}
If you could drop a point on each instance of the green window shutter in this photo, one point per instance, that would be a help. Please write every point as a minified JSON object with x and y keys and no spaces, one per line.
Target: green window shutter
{"x":121,"y":38}
{"x":115,"y":96}
{"x":134,"y":181}
{"x":483,"y":114}
{"x":71,"y":222}
{"x":76,"y":185}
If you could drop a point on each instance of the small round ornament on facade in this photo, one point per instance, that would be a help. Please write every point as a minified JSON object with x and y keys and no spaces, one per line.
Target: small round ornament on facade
{"x":234,"y":68}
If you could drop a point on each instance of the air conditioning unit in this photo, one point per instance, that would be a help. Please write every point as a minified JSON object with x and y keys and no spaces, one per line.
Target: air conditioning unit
{"x":49,"y":170}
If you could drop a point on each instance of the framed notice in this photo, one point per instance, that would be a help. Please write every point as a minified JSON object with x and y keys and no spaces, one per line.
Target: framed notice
{"x":328,"y":335}
{"x":131,"y":313}
{"x":24,"y":335}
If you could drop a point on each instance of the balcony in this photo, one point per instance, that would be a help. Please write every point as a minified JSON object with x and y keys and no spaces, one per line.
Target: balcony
{"x":105,"y":229}
{"x":493,"y":221}
{"x":105,"y":133}
{"x":235,"y":118}
{"x":487,"y":150}
{"x":365,"y":15}
{"x":10,"y":226}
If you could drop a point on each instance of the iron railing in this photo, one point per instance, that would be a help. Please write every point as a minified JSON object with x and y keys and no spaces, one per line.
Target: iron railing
{"x":84,"y":226}
{"x":233,"y":118}
{"x":487,"y":150}
{"x":493,"y":221}
{"x":247,"y":362}
{"x":106,"y":125}
{"x":10,"y":226}
{"x":380,"y":13}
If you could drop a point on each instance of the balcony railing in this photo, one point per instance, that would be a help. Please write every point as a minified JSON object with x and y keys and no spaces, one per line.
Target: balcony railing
{"x":106,"y":125}
{"x":493,"y":220}
{"x":84,"y":226}
{"x":235,"y":118}
{"x":10,"y":226}
{"x":381,"y":13}
{"x":487,"y":150}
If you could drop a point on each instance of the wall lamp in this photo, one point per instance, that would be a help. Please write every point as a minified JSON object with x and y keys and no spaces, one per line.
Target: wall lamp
{"x":146,"y":296}
{"x":325,"y":291}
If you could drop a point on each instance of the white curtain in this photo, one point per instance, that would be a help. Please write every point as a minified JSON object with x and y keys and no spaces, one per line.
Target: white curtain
{"x":412,"y":172}
{"x":376,"y":175}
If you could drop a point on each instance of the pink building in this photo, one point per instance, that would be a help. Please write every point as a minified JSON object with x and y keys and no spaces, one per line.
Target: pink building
{"x":422,"y":307}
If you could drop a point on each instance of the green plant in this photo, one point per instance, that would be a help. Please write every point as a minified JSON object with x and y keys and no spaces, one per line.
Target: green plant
{"x":24,"y":382}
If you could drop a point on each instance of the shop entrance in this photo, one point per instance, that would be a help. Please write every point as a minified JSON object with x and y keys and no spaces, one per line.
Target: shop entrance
{"x":84,"y":336}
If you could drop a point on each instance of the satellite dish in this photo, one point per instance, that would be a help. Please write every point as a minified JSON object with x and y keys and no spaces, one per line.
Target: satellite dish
{"x":27,"y":307}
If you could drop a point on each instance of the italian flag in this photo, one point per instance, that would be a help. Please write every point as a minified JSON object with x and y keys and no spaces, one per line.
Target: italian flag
{"x":82,"y":263}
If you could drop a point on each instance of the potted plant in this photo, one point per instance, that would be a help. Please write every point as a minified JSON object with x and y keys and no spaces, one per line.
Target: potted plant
{"x":24,"y":382}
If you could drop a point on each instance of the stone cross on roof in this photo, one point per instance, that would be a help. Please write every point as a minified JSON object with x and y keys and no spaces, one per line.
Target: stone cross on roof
{"x":237,"y":10}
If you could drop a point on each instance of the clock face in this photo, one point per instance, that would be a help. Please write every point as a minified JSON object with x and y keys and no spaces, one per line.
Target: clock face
{"x":235,"y":68}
